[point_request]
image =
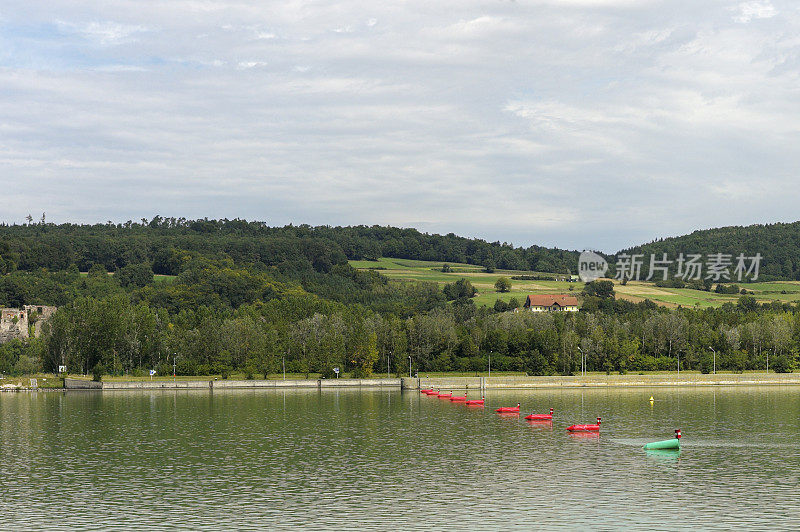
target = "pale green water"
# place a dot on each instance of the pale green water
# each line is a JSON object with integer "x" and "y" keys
{"x": 372, "y": 459}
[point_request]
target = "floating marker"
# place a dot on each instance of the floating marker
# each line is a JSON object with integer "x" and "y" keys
{"x": 508, "y": 409}
{"x": 585, "y": 428}
{"x": 540, "y": 417}
{"x": 672, "y": 444}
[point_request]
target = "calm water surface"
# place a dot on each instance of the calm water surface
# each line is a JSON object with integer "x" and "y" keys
{"x": 379, "y": 459}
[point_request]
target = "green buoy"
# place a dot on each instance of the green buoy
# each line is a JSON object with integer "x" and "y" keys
{"x": 674, "y": 443}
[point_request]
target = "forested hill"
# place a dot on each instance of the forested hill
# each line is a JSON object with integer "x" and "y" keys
{"x": 227, "y": 263}
{"x": 779, "y": 245}
{"x": 114, "y": 246}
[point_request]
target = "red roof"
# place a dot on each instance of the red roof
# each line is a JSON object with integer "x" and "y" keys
{"x": 550, "y": 300}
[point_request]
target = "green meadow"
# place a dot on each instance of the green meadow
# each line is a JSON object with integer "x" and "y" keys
{"x": 417, "y": 270}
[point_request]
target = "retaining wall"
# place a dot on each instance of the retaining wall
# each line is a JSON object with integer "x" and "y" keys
{"x": 598, "y": 381}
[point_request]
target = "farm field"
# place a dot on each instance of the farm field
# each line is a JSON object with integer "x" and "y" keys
{"x": 405, "y": 270}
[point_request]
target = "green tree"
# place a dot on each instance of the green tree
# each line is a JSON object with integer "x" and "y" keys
{"x": 503, "y": 284}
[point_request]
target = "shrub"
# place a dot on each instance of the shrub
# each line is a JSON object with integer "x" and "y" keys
{"x": 782, "y": 364}
{"x": 186, "y": 367}
{"x": 98, "y": 371}
{"x": 706, "y": 364}
{"x": 249, "y": 373}
{"x": 327, "y": 373}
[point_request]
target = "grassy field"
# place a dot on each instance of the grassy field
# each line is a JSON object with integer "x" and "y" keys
{"x": 405, "y": 270}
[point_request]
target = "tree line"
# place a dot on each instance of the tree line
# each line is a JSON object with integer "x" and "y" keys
{"x": 303, "y": 333}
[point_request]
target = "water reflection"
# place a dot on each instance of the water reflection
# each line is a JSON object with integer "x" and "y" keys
{"x": 664, "y": 454}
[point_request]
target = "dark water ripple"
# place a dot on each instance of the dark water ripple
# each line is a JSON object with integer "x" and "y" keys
{"x": 374, "y": 460}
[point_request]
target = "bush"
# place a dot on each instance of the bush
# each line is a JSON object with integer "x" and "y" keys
{"x": 186, "y": 367}
{"x": 327, "y": 373}
{"x": 706, "y": 364}
{"x": 782, "y": 364}
{"x": 98, "y": 371}
{"x": 249, "y": 373}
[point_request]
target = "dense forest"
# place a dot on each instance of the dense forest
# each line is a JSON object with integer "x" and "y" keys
{"x": 215, "y": 297}
{"x": 778, "y": 244}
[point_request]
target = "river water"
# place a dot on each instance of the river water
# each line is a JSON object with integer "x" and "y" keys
{"x": 362, "y": 459}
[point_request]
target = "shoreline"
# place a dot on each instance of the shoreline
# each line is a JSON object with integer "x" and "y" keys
{"x": 446, "y": 383}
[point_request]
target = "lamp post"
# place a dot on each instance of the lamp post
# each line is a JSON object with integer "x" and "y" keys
{"x": 409, "y": 366}
{"x": 283, "y": 364}
{"x": 173, "y": 366}
{"x": 490, "y": 363}
{"x": 715, "y": 359}
{"x": 583, "y": 364}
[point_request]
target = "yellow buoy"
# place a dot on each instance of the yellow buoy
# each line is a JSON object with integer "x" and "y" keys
{"x": 651, "y": 398}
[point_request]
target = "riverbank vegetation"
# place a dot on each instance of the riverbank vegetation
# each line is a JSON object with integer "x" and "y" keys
{"x": 219, "y": 298}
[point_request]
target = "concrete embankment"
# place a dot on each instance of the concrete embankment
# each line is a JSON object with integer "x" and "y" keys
{"x": 600, "y": 381}
{"x": 456, "y": 383}
{"x": 80, "y": 384}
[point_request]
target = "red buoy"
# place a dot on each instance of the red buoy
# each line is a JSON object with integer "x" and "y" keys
{"x": 508, "y": 409}
{"x": 540, "y": 417}
{"x": 474, "y": 402}
{"x": 426, "y": 390}
{"x": 431, "y": 392}
{"x": 459, "y": 398}
{"x": 445, "y": 395}
{"x": 576, "y": 428}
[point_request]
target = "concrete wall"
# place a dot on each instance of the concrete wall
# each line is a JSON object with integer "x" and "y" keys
{"x": 81, "y": 384}
{"x": 227, "y": 384}
{"x": 596, "y": 381}
{"x": 154, "y": 385}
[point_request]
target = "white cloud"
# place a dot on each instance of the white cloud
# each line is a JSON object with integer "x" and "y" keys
{"x": 104, "y": 33}
{"x": 747, "y": 11}
{"x": 472, "y": 116}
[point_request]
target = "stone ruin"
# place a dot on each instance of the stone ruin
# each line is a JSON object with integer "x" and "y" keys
{"x": 19, "y": 323}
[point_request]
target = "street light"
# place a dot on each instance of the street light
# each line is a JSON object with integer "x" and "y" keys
{"x": 715, "y": 359}
{"x": 583, "y": 364}
{"x": 173, "y": 366}
{"x": 490, "y": 363}
{"x": 409, "y": 366}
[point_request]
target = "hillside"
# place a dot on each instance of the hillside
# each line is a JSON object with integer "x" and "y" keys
{"x": 779, "y": 245}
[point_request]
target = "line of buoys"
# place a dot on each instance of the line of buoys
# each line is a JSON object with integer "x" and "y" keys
{"x": 671, "y": 444}
{"x": 587, "y": 430}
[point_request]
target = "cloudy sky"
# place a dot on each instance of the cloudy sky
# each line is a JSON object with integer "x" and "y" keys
{"x": 573, "y": 123}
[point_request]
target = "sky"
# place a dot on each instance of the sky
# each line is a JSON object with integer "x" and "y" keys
{"x": 580, "y": 124}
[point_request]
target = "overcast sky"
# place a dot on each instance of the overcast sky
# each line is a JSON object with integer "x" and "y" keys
{"x": 572, "y": 123}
